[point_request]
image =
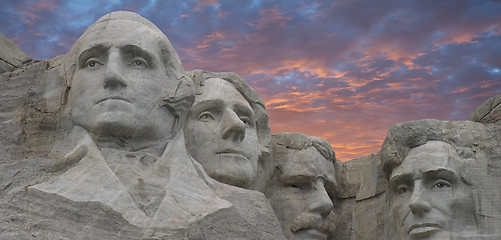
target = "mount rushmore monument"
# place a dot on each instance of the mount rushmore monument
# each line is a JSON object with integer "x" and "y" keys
{"x": 115, "y": 140}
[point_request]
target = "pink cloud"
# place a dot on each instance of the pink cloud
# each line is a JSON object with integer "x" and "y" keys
{"x": 271, "y": 17}
{"x": 29, "y": 12}
{"x": 41, "y": 5}
{"x": 203, "y": 3}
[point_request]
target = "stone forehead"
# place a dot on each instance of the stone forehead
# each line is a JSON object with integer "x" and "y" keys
{"x": 123, "y": 16}
{"x": 118, "y": 29}
{"x": 432, "y": 155}
{"x": 307, "y": 162}
{"x": 218, "y": 88}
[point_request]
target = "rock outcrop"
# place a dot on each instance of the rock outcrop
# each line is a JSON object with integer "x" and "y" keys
{"x": 11, "y": 57}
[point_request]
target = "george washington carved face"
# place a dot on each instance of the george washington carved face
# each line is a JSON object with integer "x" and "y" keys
{"x": 120, "y": 81}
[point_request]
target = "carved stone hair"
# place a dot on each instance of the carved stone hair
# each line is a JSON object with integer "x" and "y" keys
{"x": 299, "y": 141}
{"x": 284, "y": 143}
{"x": 465, "y": 137}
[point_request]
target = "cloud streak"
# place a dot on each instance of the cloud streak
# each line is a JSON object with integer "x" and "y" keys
{"x": 341, "y": 70}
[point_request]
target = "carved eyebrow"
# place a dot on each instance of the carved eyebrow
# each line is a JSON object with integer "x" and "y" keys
{"x": 213, "y": 104}
{"x": 441, "y": 173}
{"x": 296, "y": 177}
{"x": 135, "y": 50}
{"x": 93, "y": 50}
{"x": 243, "y": 109}
{"x": 400, "y": 178}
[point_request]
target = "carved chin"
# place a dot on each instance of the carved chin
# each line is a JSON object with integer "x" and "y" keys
{"x": 111, "y": 127}
{"x": 236, "y": 177}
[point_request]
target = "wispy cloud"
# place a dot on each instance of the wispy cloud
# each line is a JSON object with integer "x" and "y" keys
{"x": 341, "y": 70}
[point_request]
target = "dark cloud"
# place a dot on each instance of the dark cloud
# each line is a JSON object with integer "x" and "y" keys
{"x": 342, "y": 70}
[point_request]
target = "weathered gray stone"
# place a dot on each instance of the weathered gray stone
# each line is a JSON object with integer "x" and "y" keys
{"x": 93, "y": 147}
{"x": 300, "y": 190}
{"x": 360, "y": 199}
{"x": 365, "y": 206}
{"x": 227, "y": 130}
{"x": 443, "y": 180}
{"x": 11, "y": 57}
{"x": 488, "y": 112}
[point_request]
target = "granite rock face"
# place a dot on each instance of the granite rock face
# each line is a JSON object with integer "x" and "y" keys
{"x": 444, "y": 176}
{"x": 227, "y": 130}
{"x": 11, "y": 57}
{"x": 488, "y": 112}
{"x": 302, "y": 185}
{"x": 431, "y": 180}
{"x": 93, "y": 147}
{"x": 114, "y": 140}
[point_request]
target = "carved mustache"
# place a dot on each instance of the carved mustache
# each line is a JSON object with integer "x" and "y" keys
{"x": 312, "y": 221}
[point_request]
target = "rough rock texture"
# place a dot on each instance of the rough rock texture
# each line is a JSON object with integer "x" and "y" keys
{"x": 302, "y": 185}
{"x": 361, "y": 198}
{"x": 470, "y": 155}
{"x": 224, "y": 105}
{"x": 362, "y": 194}
{"x": 488, "y": 112}
{"x": 11, "y": 57}
{"x": 59, "y": 181}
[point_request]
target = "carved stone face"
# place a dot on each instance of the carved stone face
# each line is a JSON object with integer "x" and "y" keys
{"x": 119, "y": 83}
{"x": 428, "y": 197}
{"x": 220, "y": 133}
{"x": 298, "y": 195}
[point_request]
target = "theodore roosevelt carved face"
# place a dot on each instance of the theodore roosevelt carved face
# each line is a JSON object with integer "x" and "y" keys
{"x": 298, "y": 191}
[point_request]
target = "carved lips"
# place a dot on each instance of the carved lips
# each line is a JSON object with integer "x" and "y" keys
{"x": 232, "y": 153}
{"x": 421, "y": 230}
{"x": 113, "y": 98}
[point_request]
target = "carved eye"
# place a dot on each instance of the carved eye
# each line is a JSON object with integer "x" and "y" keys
{"x": 206, "y": 116}
{"x": 91, "y": 63}
{"x": 441, "y": 184}
{"x": 402, "y": 189}
{"x": 138, "y": 62}
{"x": 246, "y": 121}
{"x": 301, "y": 186}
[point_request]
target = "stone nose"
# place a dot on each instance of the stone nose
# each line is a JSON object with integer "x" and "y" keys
{"x": 418, "y": 203}
{"x": 114, "y": 74}
{"x": 233, "y": 127}
{"x": 319, "y": 201}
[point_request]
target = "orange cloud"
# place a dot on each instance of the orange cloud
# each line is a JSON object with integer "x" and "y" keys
{"x": 295, "y": 101}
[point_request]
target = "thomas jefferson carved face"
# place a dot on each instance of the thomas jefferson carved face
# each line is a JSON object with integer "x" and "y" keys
{"x": 119, "y": 82}
{"x": 298, "y": 194}
{"x": 220, "y": 133}
{"x": 429, "y": 199}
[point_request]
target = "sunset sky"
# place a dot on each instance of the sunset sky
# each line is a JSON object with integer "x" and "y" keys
{"x": 341, "y": 70}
